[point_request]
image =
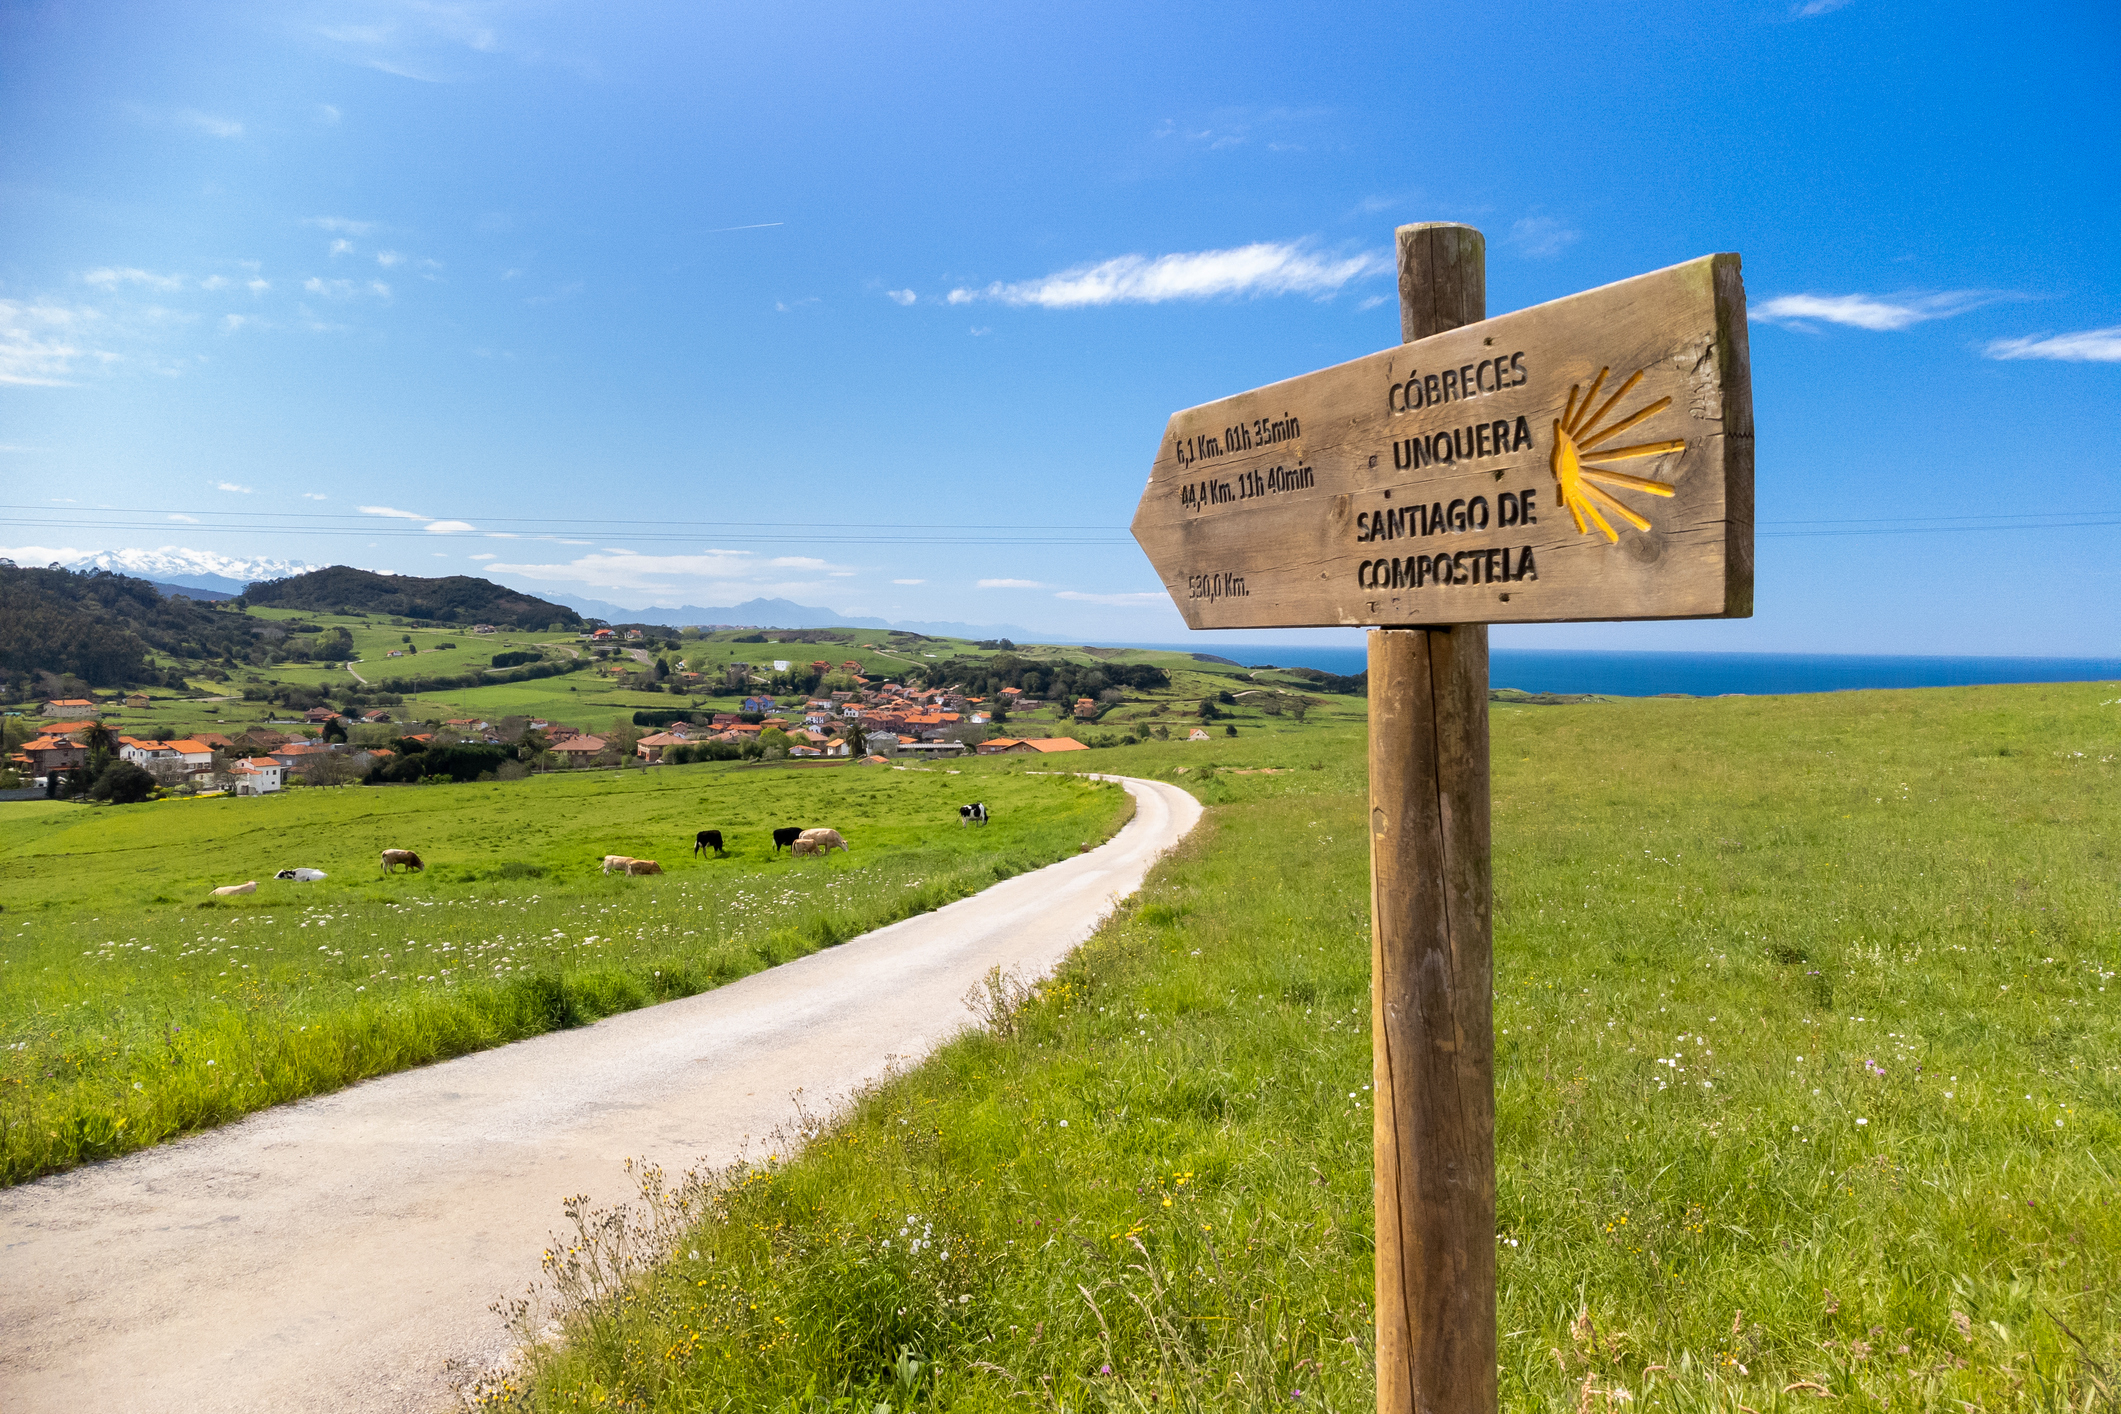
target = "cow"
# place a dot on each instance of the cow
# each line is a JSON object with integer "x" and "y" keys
{"x": 230, "y": 890}
{"x": 786, "y": 836}
{"x": 707, "y": 839}
{"x": 307, "y": 876}
{"x": 973, "y": 814}
{"x": 392, "y": 858}
{"x": 617, "y": 861}
{"x": 643, "y": 866}
{"x": 822, "y": 841}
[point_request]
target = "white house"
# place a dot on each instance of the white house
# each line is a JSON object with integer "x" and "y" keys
{"x": 258, "y": 775}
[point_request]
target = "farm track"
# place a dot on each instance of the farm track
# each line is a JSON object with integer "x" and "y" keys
{"x": 341, "y": 1253}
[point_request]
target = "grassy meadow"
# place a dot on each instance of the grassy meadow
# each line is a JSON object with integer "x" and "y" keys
{"x": 1808, "y": 1089}
{"x": 134, "y": 1008}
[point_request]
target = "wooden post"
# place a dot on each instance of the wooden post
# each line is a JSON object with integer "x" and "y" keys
{"x": 1432, "y": 966}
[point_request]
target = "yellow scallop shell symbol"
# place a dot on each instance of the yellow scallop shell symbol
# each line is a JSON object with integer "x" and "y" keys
{"x": 1577, "y": 432}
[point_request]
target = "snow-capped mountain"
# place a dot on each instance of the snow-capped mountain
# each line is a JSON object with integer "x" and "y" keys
{"x": 194, "y": 569}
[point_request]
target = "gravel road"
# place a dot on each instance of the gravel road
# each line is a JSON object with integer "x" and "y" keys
{"x": 340, "y": 1253}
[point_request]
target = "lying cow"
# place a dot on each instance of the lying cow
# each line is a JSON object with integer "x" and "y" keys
{"x": 973, "y": 814}
{"x": 307, "y": 876}
{"x": 819, "y": 842}
{"x": 786, "y": 836}
{"x": 392, "y": 858}
{"x": 231, "y": 890}
{"x": 617, "y": 861}
{"x": 643, "y": 866}
{"x": 707, "y": 839}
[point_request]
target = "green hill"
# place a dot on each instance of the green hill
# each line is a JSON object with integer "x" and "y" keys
{"x": 101, "y": 629}
{"x": 452, "y": 600}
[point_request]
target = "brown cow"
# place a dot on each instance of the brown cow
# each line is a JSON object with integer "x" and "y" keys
{"x": 228, "y": 890}
{"x": 643, "y": 866}
{"x": 823, "y": 841}
{"x": 392, "y": 858}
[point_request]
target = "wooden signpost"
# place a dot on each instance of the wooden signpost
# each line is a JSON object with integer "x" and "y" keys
{"x": 1591, "y": 458}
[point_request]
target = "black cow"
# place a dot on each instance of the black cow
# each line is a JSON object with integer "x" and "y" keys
{"x": 783, "y": 838}
{"x": 973, "y": 814}
{"x": 707, "y": 839}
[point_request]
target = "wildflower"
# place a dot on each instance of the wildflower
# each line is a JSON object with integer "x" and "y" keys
{"x": 1863, "y": 1121}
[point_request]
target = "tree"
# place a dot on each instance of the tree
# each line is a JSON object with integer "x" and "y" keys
{"x": 123, "y": 783}
{"x": 332, "y": 770}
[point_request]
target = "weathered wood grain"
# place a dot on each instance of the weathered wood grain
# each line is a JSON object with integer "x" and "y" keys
{"x": 1432, "y": 1010}
{"x": 1280, "y": 532}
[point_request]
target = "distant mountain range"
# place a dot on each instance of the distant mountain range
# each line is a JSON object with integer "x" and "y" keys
{"x": 780, "y": 613}
{"x": 173, "y": 565}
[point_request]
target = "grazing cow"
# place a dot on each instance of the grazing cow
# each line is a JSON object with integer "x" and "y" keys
{"x": 617, "y": 861}
{"x": 973, "y": 814}
{"x": 823, "y": 841}
{"x": 230, "y": 890}
{"x": 307, "y": 876}
{"x": 782, "y": 838}
{"x": 643, "y": 866}
{"x": 392, "y": 858}
{"x": 707, "y": 839}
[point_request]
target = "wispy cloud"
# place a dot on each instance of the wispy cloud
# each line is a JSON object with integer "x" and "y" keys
{"x": 315, "y": 496}
{"x": 1812, "y": 9}
{"x": 909, "y": 581}
{"x": 1543, "y": 237}
{"x": 327, "y": 114}
{"x": 449, "y": 527}
{"x": 1879, "y": 313}
{"x": 109, "y": 277}
{"x": 188, "y": 520}
{"x": 1263, "y": 268}
{"x": 901, "y": 297}
{"x": 1010, "y": 584}
{"x": 391, "y": 512}
{"x": 340, "y": 225}
{"x": 1120, "y": 601}
{"x": 208, "y": 123}
{"x": 2085, "y": 346}
{"x": 791, "y": 306}
{"x": 232, "y": 486}
{"x": 37, "y": 343}
{"x": 488, "y": 556}
{"x": 717, "y": 571}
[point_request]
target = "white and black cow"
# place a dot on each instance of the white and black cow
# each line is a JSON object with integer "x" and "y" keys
{"x": 973, "y": 814}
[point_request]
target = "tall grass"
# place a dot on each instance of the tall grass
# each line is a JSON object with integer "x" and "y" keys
{"x": 1149, "y": 1187}
{"x": 127, "y": 1022}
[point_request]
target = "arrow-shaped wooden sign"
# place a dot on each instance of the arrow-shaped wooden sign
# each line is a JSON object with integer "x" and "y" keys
{"x": 1591, "y": 458}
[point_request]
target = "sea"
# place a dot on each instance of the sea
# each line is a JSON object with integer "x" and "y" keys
{"x": 1697, "y": 674}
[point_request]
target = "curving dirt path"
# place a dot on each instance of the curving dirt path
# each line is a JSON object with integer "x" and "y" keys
{"x": 340, "y": 1253}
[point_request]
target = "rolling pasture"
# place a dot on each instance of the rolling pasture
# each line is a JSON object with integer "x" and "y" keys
{"x": 1808, "y": 1082}
{"x": 134, "y": 1008}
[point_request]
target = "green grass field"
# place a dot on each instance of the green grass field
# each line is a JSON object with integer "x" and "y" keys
{"x": 1808, "y": 1095}
{"x": 133, "y": 1009}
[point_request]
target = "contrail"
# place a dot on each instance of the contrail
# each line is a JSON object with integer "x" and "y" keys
{"x": 759, "y": 227}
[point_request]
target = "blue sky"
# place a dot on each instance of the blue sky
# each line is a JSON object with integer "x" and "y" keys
{"x": 884, "y": 307}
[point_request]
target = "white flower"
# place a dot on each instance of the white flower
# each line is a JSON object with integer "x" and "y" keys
{"x": 1064, "y": 1124}
{"x": 1863, "y": 1121}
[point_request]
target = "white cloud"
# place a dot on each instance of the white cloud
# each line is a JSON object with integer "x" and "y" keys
{"x": 208, "y": 123}
{"x": 713, "y": 571}
{"x": 1121, "y": 601}
{"x": 487, "y": 556}
{"x": 449, "y": 527}
{"x": 340, "y": 225}
{"x": 340, "y": 247}
{"x": 1543, "y": 237}
{"x": 215, "y": 282}
{"x": 791, "y": 306}
{"x": 909, "y": 581}
{"x": 314, "y": 496}
{"x": 391, "y": 512}
{"x": 1812, "y": 9}
{"x": 1879, "y": 313}
{"x": 980, "y": 331}
{"x": 36, "y": 344}
{"x": 1371, "y": 303}
{"x": 901, "y": 297}
{"x": 388, "y": 258}
{"x": 327, "y": 114}
{"x": 1010, "y": 584}
{"x": 109, "y": 278}
{"x": 230, "y": 323}
{"x": 2085, "y": 346}
{"x": 257, "y": 287}
{"x": 1263, "y": 268}
{"x": 188, "y": 520}
{"x": 232, "y": 486}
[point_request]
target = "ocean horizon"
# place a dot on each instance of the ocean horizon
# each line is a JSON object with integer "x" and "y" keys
{"x": 1634, "y": 674}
